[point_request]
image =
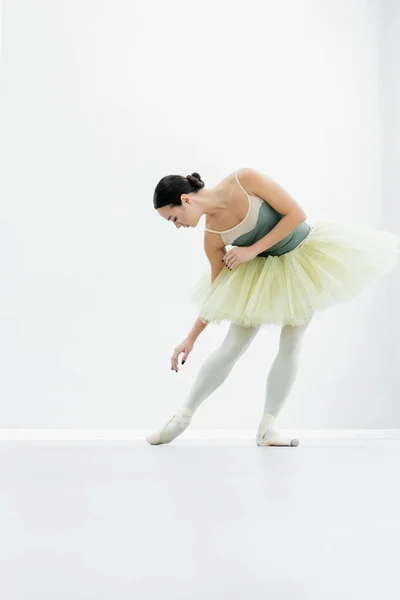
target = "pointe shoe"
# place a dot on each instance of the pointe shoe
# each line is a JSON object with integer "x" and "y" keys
{"x": 175, "y": 426}
{"x": 269, "y": 435}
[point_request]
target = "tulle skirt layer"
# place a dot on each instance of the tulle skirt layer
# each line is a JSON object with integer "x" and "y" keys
{"x": 333, "y": 264}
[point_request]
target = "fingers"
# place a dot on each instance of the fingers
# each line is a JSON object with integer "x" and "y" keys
{"x": 175, "y": 361}
{"x": 230, "y": 261}
{"x": 232, "y": 264}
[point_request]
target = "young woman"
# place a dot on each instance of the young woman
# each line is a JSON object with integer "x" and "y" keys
{"x": 279, "y": 271}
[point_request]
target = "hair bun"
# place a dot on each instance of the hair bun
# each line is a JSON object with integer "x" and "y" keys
{"x": 195, "y": 180}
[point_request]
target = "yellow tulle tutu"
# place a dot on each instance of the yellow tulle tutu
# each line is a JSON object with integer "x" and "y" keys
{"x": 333, "y": 264}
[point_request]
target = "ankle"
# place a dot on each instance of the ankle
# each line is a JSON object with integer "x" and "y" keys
{"x": 268, "y": 420}
{"x": 183, "y": 416}
{"x": 187, "y": 410}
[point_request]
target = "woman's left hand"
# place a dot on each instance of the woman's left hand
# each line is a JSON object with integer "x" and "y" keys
{"x": 234, "y": 257}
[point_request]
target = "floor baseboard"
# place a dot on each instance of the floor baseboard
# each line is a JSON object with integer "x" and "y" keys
{"x": 192, "y": 434}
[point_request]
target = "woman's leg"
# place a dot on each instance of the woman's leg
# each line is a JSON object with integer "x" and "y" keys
{"x": 220, "y": 363}
{"x": 280, "y": 381}
{"x": 211, "y": 375}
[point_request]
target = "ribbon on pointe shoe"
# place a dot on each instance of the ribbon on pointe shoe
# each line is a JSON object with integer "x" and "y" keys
{"x": 269, "y": 435}
{"x": 183, "y": 417}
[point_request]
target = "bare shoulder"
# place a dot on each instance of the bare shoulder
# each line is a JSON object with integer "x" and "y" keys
{"x": 247, "y": 177}
{"x": 265, "y": 187}
{"x": 250, "y": 179}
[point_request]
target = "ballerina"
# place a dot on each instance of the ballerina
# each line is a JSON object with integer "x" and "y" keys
{"x": 279, "y": 271}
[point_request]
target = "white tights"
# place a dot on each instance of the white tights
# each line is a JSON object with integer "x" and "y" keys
{"x": 220, "y": 363}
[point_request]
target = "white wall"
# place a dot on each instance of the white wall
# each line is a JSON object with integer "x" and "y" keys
{"x": 1, "y": 26}
{"x": 390, "y": 93}
{"x": 102, "y": 99}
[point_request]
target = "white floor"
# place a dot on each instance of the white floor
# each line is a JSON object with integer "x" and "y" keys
{"x": 199, "y": 520}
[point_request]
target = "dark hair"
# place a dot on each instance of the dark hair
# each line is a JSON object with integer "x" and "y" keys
{"x": 170, "y": 188}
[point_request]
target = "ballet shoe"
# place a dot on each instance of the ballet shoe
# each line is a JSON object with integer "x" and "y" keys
{"x": 174, "y": 427}
{"x": 269, "y": 435}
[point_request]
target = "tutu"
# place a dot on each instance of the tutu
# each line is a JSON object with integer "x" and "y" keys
{"x": 333, "y": 264}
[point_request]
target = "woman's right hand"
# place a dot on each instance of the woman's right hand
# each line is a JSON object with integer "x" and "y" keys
{"x": 186, "y": 347}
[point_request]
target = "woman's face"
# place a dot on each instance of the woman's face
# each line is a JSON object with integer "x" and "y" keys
{"x": 186, "y": 215}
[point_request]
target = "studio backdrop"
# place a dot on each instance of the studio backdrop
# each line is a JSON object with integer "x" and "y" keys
{"x": 102, "y": 98}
